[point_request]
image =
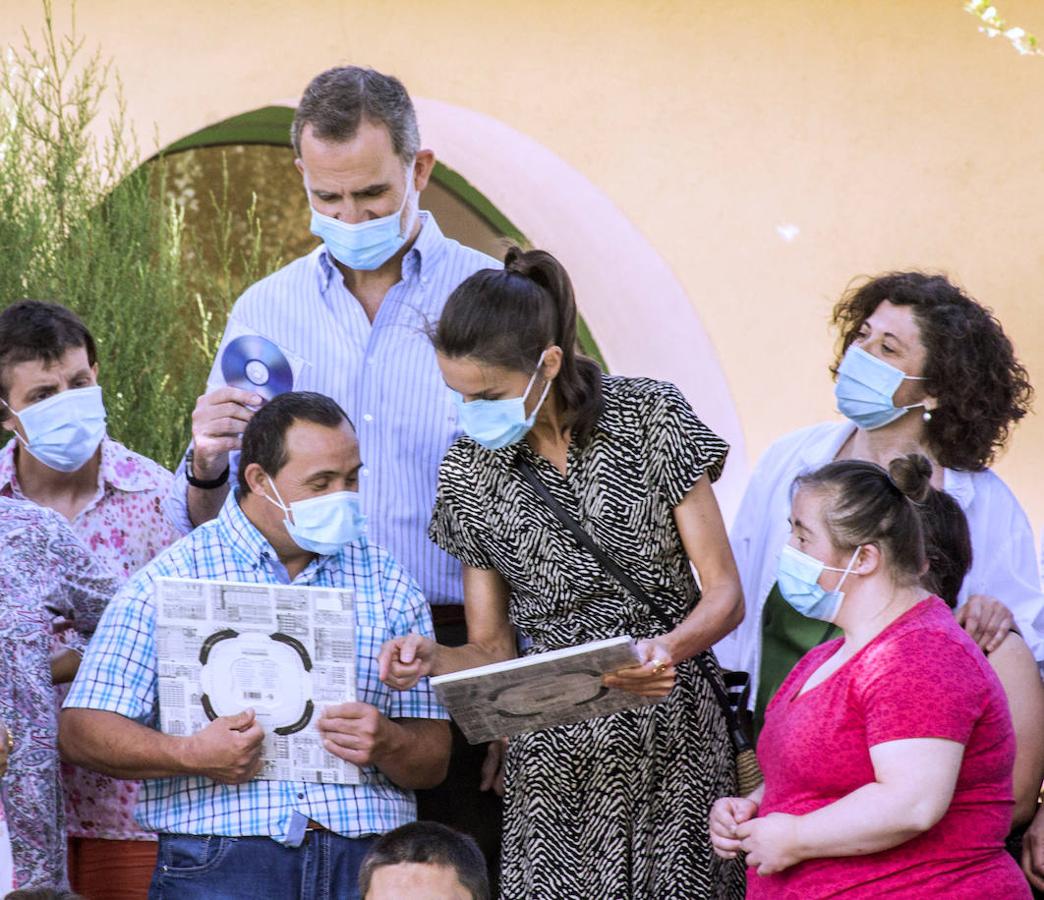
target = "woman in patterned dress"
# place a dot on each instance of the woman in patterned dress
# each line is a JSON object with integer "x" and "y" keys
{"x": 617, "y": 806}
{"x": 43, "y": 567}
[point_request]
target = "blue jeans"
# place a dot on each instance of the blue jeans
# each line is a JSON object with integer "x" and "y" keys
{"x": 194, "y": 867}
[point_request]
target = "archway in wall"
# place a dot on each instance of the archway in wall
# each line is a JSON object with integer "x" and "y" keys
{"x": 493, "y": 183}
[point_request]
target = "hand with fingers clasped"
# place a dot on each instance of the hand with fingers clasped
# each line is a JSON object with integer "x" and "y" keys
{"x": 727, "y": 814}
{"x": 228, "y": 750}
{"x": 769, "y": 842}
{"x": 404, "y": 661}
{"x": 652, "y": 677}
{"x": 354, "y": 732}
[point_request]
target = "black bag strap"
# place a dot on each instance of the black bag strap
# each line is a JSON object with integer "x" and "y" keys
{"x": 627, "y": 582}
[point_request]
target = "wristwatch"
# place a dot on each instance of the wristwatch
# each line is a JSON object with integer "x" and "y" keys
{"x": 204, "y": 484}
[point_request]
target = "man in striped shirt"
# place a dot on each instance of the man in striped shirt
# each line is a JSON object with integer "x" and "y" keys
{"x": 223, "y": 833}
{"x": 351, "y": 318}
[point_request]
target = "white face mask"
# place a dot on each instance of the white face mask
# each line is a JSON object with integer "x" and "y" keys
{"x": 365, "y": 246}
{"x": 798, "y": 580}
{"x": 499, "y": 423}
{"x": 323, "y": 524}
{"x": 865, "y": 388}
{"x": 64, "y": 431}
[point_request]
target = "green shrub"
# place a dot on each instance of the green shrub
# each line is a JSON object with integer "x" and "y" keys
{"x": 83, "y": 224}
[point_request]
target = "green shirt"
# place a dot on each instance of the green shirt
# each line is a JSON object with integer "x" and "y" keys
{"x": 786, "y": 636}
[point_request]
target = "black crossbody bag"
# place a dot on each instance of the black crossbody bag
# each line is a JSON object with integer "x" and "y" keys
{"x": 732, "y": 699}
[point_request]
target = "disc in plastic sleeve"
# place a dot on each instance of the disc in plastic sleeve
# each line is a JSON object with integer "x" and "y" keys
{"x": 254, "y": 363}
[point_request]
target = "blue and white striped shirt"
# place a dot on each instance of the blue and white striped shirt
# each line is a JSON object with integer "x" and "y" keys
{"x": 118, "y": 674}
{"x": 385, "y": 377}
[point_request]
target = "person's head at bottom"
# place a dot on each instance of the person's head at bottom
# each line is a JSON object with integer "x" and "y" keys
{"x": 424, "y": 861}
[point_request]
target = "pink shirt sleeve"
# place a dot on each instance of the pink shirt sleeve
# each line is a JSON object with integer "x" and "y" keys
{"x": 921, "y": 684}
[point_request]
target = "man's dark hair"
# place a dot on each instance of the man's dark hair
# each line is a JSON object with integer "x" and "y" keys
{"x": 338, "y": 100}
{"x": 264, "y": 441}
{"x": 35, "y": 330}
{"x": 432, "y": 843}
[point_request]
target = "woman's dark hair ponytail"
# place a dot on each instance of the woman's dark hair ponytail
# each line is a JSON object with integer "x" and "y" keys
{"x": 542, "y": 268}
{"x": 508, "y": 317}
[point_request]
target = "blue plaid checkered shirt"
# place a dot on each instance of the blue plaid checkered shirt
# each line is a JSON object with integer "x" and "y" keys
{"x": 118, "y": 674}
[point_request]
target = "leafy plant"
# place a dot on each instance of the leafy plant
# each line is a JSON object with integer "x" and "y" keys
{"x": 83, "y": 224}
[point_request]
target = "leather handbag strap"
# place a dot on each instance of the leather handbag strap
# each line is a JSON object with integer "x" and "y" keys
{"x": 628, "y": 583}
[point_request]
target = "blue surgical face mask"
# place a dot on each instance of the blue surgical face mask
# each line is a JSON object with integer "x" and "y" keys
{"x": 798, "y": 580}
{"x": 865, "y": 388}
{"x": 499, "y": 423}
{"x": 64, "y": 431}
{"x": 366, "y": 246}
{"x": 323, "y": 524}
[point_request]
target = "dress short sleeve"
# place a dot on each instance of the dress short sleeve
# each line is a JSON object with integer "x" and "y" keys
{"x": 681, "y": 447}
{"x": 454, "y": 521}
{"x": 923, "y": 684}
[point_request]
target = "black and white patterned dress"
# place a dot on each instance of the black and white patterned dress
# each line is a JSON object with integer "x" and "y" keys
{"x": 615, "y": 807}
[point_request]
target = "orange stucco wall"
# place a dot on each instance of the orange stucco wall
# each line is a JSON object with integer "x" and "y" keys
{"x": 891, "y": 134}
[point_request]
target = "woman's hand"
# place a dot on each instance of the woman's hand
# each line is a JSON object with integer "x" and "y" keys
{"x": 404, "y": 661}
{"x": 769, "y": 842}
{"x": 1033, "y": 851}
{"x": 725, "y": 816}
{"x": 493, "y": 767}
{"x": 986, "y": 620}
{"x": 652, "y": 677}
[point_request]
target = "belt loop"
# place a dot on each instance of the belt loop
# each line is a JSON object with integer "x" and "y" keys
{"x": 296, "y": 834}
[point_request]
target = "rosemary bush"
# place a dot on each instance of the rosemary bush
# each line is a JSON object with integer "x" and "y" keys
{"x": 82, "y": 223}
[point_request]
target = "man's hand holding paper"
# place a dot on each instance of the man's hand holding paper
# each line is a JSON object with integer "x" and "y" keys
{"x": 228, "y": 750}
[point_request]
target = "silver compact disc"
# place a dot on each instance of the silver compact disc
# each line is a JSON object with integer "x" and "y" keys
{"x": 254, "y": 363}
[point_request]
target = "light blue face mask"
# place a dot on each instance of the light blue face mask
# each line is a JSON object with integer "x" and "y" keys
{"x": 365, "y": 246}
{"x": 865, "y": 388}
{"x": 500, "y": 423}
{"x": 64, "y": 431}
{"x": 798, "y": 580}
{"x": 323, "y": 524}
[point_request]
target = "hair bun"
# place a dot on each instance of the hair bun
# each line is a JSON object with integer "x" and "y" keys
{"x": 912, "y": 475}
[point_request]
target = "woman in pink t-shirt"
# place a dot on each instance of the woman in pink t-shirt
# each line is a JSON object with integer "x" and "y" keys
{"x": 887, "y": 753}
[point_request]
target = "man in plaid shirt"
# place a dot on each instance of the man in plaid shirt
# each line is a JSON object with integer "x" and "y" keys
{"x": 223, "y": 833}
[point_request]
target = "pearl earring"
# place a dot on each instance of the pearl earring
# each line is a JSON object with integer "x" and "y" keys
{"x": 927, "y": 415}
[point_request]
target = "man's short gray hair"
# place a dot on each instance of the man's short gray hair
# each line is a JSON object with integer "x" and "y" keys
{"x": 338, "y": 100}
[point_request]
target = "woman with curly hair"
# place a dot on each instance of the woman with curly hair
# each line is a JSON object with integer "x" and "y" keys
{"x": 922, "y": 368}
